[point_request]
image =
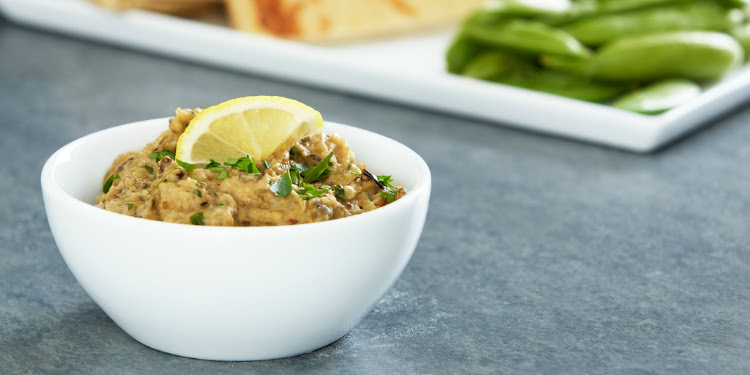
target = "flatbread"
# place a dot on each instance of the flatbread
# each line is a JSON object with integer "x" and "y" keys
{"x": 177, "y": 7}
{"x": 338, "y": 20}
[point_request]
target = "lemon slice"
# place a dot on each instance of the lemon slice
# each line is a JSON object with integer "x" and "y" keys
{"x": 253, "y": 125}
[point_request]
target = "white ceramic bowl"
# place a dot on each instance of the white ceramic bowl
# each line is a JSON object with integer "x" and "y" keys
{"x": 231, "y": 293}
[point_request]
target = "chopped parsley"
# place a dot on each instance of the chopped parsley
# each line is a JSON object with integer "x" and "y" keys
{"x": 309, "y": 191}
{"x": 149, "y": 169}
{"x": 295, "y": 172}
{"x": 386, "y": 180}
{"x": 245, "y": 163}
{"x": 283, "y": 186}
{"x": 197, "y": 218}
{"x": 215, "y": 166}
{"x": 108, "y": 183}
{"x": 389, "y": 195}
{"x": 303, "y": 177}
{"x": 130, "y": 205}
{"x": 185, "y": 165}
{"x": 222, "y": 173}
{"x": 339, "y": 193}
{"x": 198, "y": 193}
{"x": 369, "y": 175}
{"x": 318, "y": 172}
{"x": 158, "y": 155}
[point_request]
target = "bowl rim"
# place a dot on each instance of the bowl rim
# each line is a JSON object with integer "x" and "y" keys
{"x": 55, "y": 192}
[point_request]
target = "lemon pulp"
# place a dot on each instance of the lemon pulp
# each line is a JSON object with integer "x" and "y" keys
{"x": 257, "y": 126}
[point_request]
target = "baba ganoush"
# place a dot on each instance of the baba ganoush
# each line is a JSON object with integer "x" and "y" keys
{"x": 317, "y": 179}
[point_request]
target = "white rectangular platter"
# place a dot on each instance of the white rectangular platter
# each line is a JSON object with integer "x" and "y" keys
{"x": 406, "y": 69}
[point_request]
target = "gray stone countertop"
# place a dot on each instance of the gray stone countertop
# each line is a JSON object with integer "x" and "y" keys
{"x": 539, "y": 254}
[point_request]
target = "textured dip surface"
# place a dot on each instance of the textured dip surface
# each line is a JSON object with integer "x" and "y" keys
{"x": 150, "y": 184}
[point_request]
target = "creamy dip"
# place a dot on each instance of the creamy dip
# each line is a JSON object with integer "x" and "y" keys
{"x": 150, "y": 184}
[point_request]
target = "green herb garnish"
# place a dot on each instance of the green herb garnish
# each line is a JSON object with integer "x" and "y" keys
{"x": 386, "y": 180}
{"x": 389, "y": 195}
{"x": 309, "y": 191}
{"x": 198, "y": 193}
{"x": 295, "y": 172}
{"x": 266, "y": 164}
{"x": 215, "y": 166}
{"x": 158, "y": 155}
{"x": 283, "y": 186}
{"x": 185, "y": 165}
{"x": 197, "y": 218}
{"x": 245, "y": 163}
{"x": 339, "y": 193}
{"x": 130, "y": 205}
{"x": 108, "y": 183}
{"x": 222, "y": 172}
{"x": 318, "y": 172}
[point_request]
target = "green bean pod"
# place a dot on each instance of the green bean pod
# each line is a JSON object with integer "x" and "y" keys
{"x": 567, "y": 85}
{"x": 742, "y": 34}
{"x": 738, "y": 3}
{"x": 507, "y": 67}
{"x": 460, "y": 53}
{"x": 527, "y": 8}
{"x": 598, "y": 30}
{"x": 588, "y": 8}
{"x": 496, "y": 64}
{"x": 612, "y": 6}
{"x": 524, "y": 35}
{"x": 698, "y": 55}
{"x": 659, "y": 97}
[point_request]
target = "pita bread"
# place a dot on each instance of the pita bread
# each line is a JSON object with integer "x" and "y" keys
{"x": 338, "y": 20}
